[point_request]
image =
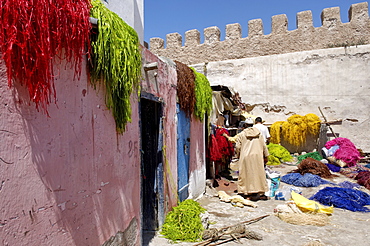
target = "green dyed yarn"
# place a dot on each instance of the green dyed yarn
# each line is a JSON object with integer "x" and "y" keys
{"x": 314, "y": 155}
{"x": 183, "y": 223}
{"x": 203, "y": 95}
{"x": 273, "y": 161}
{"x": 278, "y": 152}
{"x": 116, "y": 61}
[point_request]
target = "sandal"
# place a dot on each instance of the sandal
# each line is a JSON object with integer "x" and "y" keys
{"x": 263, "y": 197}
{"x": 253, "y": 197}
{"x": 244, "y": 196}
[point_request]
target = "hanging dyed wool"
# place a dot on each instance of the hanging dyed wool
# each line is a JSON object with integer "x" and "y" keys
{"x": 310, "y": 165}
{"x": 294, "y": 130}
{"x": 185, "y": 88}
{"x": 203, "y": 96}
{"x": 116, "y": 61}
{"x": 314, "y": 123}
{"x": 350, "y": 199}
{"x": 213, "y": 153}
{"x": 225, "y": 147}
{"x": 347, "y": 151}
{"x": 34, "y": 33}
{"x": 279, "y": 152}
{"x": 275, "y": 132}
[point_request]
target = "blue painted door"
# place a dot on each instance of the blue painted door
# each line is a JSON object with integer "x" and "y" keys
{"x": 183, "y": 152}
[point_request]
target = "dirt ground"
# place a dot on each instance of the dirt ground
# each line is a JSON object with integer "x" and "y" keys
{"x": 345, "y": 227}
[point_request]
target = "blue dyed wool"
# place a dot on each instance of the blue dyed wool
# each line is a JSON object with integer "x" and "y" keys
{"x": 306, "y": 180}
{"x": 333, "y": 167}
{"x": 350, "y": 199}
{"x": 348, "y": 184}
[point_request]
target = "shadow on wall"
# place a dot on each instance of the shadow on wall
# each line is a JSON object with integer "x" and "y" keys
{"x": 79, "y": 158}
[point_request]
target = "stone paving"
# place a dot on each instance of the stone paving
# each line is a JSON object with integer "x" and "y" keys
{"x": 345, "y": 227}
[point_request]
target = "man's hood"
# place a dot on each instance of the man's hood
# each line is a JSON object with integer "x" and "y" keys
{"x": 252, "y": 132}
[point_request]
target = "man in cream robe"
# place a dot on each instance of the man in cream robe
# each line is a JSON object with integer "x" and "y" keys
{"x": 253, "y": 151}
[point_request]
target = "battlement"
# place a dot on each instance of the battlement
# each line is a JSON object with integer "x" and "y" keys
{"x": 331, "y": 33}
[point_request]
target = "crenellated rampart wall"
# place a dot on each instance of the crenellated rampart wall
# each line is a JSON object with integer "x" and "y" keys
{"x": 332, "y": 33}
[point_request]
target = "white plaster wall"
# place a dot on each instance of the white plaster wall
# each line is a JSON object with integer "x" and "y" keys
{"x": 197, "y": 163}
{"x": 337, "y": 80}
{"x": 131, "y": 11}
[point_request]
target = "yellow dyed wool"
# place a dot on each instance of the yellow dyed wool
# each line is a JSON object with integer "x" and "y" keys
{"x": 313, "y": 122}
{"x": 275, "y": 132}
{"x": 294, "y": 130}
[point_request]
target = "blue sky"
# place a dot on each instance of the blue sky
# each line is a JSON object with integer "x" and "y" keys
{"x": 162, "y": 17}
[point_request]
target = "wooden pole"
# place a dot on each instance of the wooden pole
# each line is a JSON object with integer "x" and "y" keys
{"x": 326, "y": 122}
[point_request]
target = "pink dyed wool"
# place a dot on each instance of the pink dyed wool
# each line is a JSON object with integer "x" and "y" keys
{"x": 347, "y": 151}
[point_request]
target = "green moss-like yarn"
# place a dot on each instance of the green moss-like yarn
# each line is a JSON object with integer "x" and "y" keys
{"x": 278, "y": 152}
{"x": 273, "y": 161}
{"x": 183, "y": 223}
{"x": 315, "y": 155}
{"x": 203, "y": 95}
{"x": 116, "y": 61}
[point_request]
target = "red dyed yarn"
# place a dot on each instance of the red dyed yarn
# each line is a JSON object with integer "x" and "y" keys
{"x": 34, "y": 33}
{"x": 213, "y": 152}
{"x": 219, "y": 148}
{"x": 363, "y": 178}
{"x": 225, "y": 147}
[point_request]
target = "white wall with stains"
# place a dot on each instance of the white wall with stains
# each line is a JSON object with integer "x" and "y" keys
{"x": 275, "y": 87}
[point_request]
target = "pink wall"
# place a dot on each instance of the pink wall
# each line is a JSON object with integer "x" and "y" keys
{"x": 164, "y": 87}
{"x": 70, "y": 179}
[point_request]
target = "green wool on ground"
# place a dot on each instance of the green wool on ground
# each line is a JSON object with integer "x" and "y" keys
{"x": 314, "y": 155}
{"x": 115, "y": 61}
{"x": 273, "y": 161}
{"x": 183, "y": 223}
{"x": 278, "y": 154}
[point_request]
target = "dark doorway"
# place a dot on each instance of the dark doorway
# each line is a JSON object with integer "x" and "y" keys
{"x": 151, "y": 175}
